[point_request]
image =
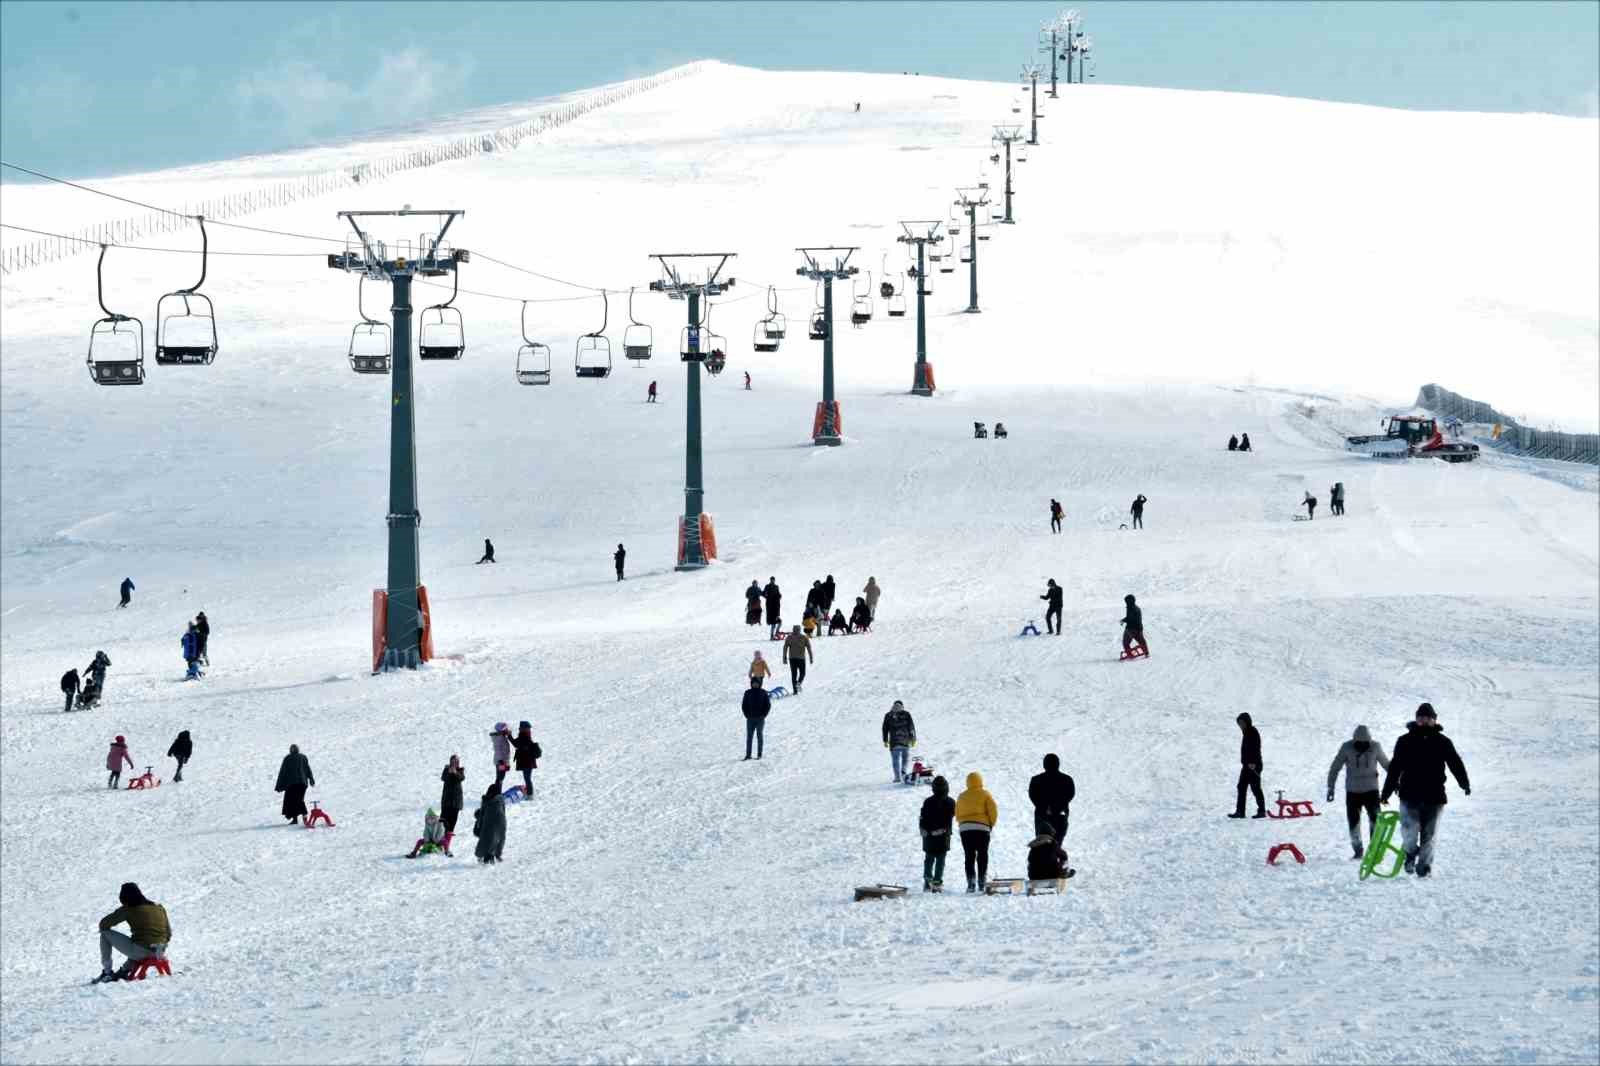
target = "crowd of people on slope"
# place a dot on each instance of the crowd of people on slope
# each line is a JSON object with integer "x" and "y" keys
{"x": 819, "y": 617}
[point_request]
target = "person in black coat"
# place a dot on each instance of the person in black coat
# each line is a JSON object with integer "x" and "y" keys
{"x": 127, "y": 592}
{"x": 774, "y": 597}
{"x": 860, "y": 616}
{"x": 488, "y": 552}
{"x": 202, "y": 629}
{"x": 1249, "y": 768}
{"x": 1137, "y": 510}
{"x": 1047, "y": 860}
{"x": 620, "y": 556}
{"x": 294, "y": 777}
{"x": 756, "y": 706}
{"x": 489, "y": 825}
{"x": 829, "y": 590}
{"x": 527, "y": 755}
{"x": 1052, "y": 596}
{"x": 1052, "y": 793}
{"x": 937, "y": 817}
{"x": 1417, "y": 770}
{"x": 1133, "y": 626}
{"x": 69, "y": 687}
{"x": 752, "y": 604}
{"x": 450, "y": 803}
{"x": 1244, "y": 442}
{"x": 182, "y": 748}
{"x": 1233, "y": 444}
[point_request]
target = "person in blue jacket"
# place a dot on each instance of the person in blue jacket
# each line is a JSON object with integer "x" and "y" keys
{"x": 191, "y": 653}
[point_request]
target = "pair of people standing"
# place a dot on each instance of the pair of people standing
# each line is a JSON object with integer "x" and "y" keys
{"x": 520, "y": 750}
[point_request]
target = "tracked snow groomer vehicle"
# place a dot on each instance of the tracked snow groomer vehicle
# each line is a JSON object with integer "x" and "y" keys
{"x": 1412, "y": 435}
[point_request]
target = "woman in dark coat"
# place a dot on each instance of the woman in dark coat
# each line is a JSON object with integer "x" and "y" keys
{"x": 938, "y": 811}
{"x": 527, "y": 756}
{"x": 294, "y": 777}
{"x": 181, "y": 749}
{"x": 489, "y": 823}
{"x": 450, "y": 798}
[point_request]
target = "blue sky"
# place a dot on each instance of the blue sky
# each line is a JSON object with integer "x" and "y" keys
{"x": 94, "y": 88}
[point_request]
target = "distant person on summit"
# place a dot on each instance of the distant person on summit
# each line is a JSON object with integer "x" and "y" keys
{"x": 1244, "y": 442}
{"x": 1055, "y": 516}
{"x": 1137, "y": 510}
{"x": 620, "y": 556}
{"x": 127, "y": 592}
{"x": 488, "y": 552}
{"x": 1233, "y": 444}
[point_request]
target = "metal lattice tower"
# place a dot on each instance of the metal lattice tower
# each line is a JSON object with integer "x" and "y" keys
{"x": 405, "y": 624}
{"x": 695, "y": 546}
{"x": 921, "y": 233}
{"x": 825, "y": 427}
{"x": 1008, "y": 135}
{"x": 972, "y": 199}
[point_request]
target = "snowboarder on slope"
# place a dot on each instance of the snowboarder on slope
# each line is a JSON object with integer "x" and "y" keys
{"x": 1052, "y": 793}
{"x": 620, "y": 557}
{"x": 1359, "y": 758}
{"x": 976, "y": 815}
{"x": 115, "y": 758}
{"x": 899, "y": 736}
{"x": 182, "y": 749}
{"x": 938, "y": 811}
{"x": 148, "y": 923}
{"x": 1133, "y": 626}
{"x": 1249, "y": 767}
{"x": 127, "y": 592}
{"x": 756, "y": 706}
{"x": 1053, "y": 594}
{"x": 797, "y": 649}
{"x": 1421, "y": 757}
{"x": 294, "y": 777}
{"x": 488, "y": 552}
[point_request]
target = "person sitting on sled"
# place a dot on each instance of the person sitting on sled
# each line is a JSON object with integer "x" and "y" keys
{"x": 860, "y": 617}
{"x": 433, "y": 838}
{"x": 837, "y": 624}
{"x": 1046, "y": 860}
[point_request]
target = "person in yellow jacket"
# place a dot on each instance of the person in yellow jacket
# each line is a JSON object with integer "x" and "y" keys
{"x": 759, "y": 669}
{"x": 976, "y": 815}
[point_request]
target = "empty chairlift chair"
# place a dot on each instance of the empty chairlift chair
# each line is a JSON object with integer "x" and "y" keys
{"x": 371, "y": 346}
{"x": 442, "y": 334}
{"x": 637, "y": 338}
{"x": 592, "y": 358}
{"x": 186, "y": 325}
{"x": 116, "y": 343}
{"x": 533, "y": 358}
{"x": 770, "y": 330}
{"x": 861, "y": 303}
{"x": 763, "y": 341}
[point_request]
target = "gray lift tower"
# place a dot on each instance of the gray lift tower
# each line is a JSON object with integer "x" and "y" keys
{"x": 1008, "y": 135}
{"x": 921, "y": 233}
{"x": 971, "y": 200}
{"x": 1060, "y": 31}
{"x": 825, "y": 426}
{"x": 407, "y": 638}
{"x": 1030, "y": 75}
{"x": 694, "y": 276}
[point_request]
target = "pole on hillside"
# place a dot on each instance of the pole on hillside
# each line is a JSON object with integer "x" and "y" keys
{"x": 1008, "y": 135}
{"x": 921, "y": 233}
{"x": 826, "y": 425}
{"x": 1031, "y": 73}
{"x": 972, "y": 199}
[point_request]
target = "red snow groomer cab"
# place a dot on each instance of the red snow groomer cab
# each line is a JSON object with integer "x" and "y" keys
{"x": 1412, "y": 435}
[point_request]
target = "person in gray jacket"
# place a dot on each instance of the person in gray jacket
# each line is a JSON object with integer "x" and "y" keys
{"x": 1360, "y": 758}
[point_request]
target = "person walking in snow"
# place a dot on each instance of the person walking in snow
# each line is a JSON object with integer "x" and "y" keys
{"x": 148, "y": 925}
{"x": 1336, "y": 498}
{"x": 760, "y": 670}
{"x": 1133, "y": 626}
{"x": 450, "y": 803}
{"x": 432, "y": 835}
{"x": 501, "y": 736}
{"x": 650, "y": 393}
{"x": 756, "y": 706}
{"x": 488, "y": 552}
{"x": 976, "y": 815}
{"x": 1056, "y": 514}
{"x": 69, "y": 687}
{"x": 294, "y": 777}
{"x": 202, "y": 629}
{"x": 747, "y": 381}
{"x": 797, "y": 649}
{"x": 899, "y": 736}
{"x": 1249, "y": 768}
{"x": 813, "y": 598}
{"x": 489, "y": 825}
{"x": 182, "y": 749}
{"x": 191, "y": 653}
{"x": 870, "y": 592}
{"x": 829, "y": 589}
{"x": 1421, "y": 757}
{"x": 1137, "y": 510}
{"x": 127, "y": 592}
{"x": 527, "y": 752}
{"x": 97, "y": 672}
{"x": 1052, "y": 594}
{"x": 1051, "y": 794}
{"x": 115, "y": 759}
{"x": 934, "y": 822}
{"x": 1359, "y": 758}
{"x": 752, "y": 604}
{"x": 620, "y": 557}
{"x": 774, "y": 600}
{"x": 1310, "y": 504}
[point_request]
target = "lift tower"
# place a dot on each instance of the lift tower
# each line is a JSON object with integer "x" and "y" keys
{"x": 1030, "y": 74}
{"x": 921, "y": 233}
{"x": 971, "y": 200}
{"x": 407, "y": 627}
{"x": 1008, "y": 135}
{"x": 825, "y": 426}
{"x": 693, "y": 276}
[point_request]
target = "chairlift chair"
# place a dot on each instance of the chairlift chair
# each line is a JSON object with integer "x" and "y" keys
{"x": 637, "y": 338}
{"x": 371, "y": 345}
{"x": 116, "y": 342}
{"x": 774, "y": 325}
{"x": 819, "y": 326}
{"x": 592, "y": 356}
{"x": 444, "y": 335}
{"x": 861, "y": 310}
{"x": 763, "y": 340}
{"x": 777, "y": 326}
{"x": 897, "y": 305}
{"x": 187, "y": 337}
{"x": 533, "y": 358}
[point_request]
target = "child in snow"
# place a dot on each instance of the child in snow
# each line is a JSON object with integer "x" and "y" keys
{"x": 1046, "y": 860}
{"x": 182, "y": 748}
{"x": 760, "y": 670}
{"x": 433, "y": 836}
{"x": 191, "y": 653}
{"x": 502, "y": 752}
{"x": 527, "y": 756}
{"x": 938, "y": 811}
{"x": 115, "y": 759}
{"x": 860, "y": 617}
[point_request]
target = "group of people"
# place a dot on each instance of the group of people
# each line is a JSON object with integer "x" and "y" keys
{"x": 87, "y": 692}
{"x": 819, "y": 615}
{"x": 974, "y": 814}
{"x": 194, "y": 646}
{"x": 118, "y": 756}
{"x": 1239, "y": 443}
{"x": 1335, "y": 501}
{"x": 979, "y": 431}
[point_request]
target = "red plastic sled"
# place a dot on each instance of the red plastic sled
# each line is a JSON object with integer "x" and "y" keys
{"x": 144, "y": 780}
{"x": 1135, "y": 652}
{"x": 1294, "y": 808}
{"x": 318, "y": 812}
{"x": 146, "y": 964}
{"x": 1278, "y": 849}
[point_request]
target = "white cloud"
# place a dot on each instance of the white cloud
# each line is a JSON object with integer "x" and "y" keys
{"x": 303, "y": 100}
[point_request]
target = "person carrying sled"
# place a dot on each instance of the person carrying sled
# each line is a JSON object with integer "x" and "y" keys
{"x": 838, "y": 623}
{"x": 1137, "y": 510}
{"x": 489, "y": 825}
{"x": 860, "y": 616}
{"x": 1359, "y": 758}
{"x": 756, "y": 706}
{"x": 797, "y": 649}
{"x": 1421, "y": 757}
{"x": 620, "y": 557}
{"x": 127, "y": 592}
{"x": 1053, "y": 595}
{"x": 899, "y": 736}
{"x": 69, "y": 688}
{"x": 148, "y": 924}
{"x": 870, "y": 592}
{"x": 116, "y": 757}
{"x": 938, "y": 812}
{"x": 488, "y": 552}
{"x": 1249, "y": 768}
{"x": 191, "y": 654}
{"x": 650, "y": 393}
{"x": 774, "y": 601}
{"x": 182, "y": 749}
{"x": 752, "y": 604}
{"x": 501, "y": 736}
{"x": 1056, "y": 514}
{"x": 450, "y": 797}
{"x": 294, "y": 777}
{"x": 1133, "y": 626}
{"x": 760, "y": 669}
{"x": 433, "y": 834}
{"x": 1233, "y": 444}
{"x": 527, "y": 753}
{"x": 1310, "y": 504}
{"x": 976, "y": 815}
{"x": 1051, "y": 794}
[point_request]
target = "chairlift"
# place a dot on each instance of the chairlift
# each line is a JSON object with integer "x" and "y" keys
{"x": 861, "y": 311}
{"x": 371, "y": 346}
{"x": 777, "y": 325}
{"x": 116, "y": 347}
{"x": 763, "y": 341}
{"x": 592, "y": 357}
{"x": 717, "y": 347}
{"x": 533, "y": 358}
{"x": 819, "y": 326}
{"x": 444, "y": 336}
{"x": 897, "y": 305}
{"x": 189, "y": 337}
{"x": 636, "y": 339}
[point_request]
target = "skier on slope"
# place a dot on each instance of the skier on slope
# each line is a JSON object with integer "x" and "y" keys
{"x": 938, "y": 812}
{"x": 148, "y": 924}
{"x": 116, "y": 757}
{"x": 1053, "y": 595}
{"x": 1421, "y": 757}
{"x": 127, "y": 592}
{"x": 899, "y": 736}
{"x": 182, "y": 749}
{"x": 1249, "y": 767}
{"x": 1359, "y": 758}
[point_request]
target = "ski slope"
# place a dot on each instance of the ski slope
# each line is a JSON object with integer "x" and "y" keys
{"x": 1185, "y": 266}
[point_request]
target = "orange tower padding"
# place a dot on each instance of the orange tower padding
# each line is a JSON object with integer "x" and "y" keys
{"x": 925, "y": 372}
{"x": 708, "y": 536}
{"x": 816, "y": 423}
{"x": 426, "y": 651}
{"x": 380, "y": 615}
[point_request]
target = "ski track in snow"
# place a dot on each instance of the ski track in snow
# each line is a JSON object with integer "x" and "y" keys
{"x": 663, "y": 900}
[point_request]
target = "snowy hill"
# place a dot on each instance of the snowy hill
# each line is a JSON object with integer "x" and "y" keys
{"x": 1185, "y": 266}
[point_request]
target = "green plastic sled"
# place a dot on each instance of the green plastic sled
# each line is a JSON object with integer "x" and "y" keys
{"x": 1382, "y": 834}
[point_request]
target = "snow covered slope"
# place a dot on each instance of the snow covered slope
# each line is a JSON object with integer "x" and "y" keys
{"x": 1196, "y": 265}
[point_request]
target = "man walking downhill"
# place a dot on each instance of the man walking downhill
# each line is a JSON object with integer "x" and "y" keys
{"x": 1421, "y": 757}
{"x": 899, "y": 736}
{"x": 1249, "y": 768}
{"x": 797, "y": 649}
{"x": 1359, "y": 758}
{"x": 757, "y": 705}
